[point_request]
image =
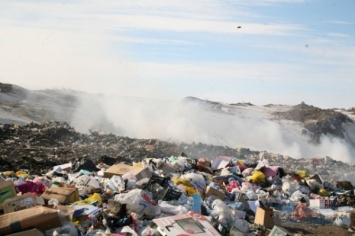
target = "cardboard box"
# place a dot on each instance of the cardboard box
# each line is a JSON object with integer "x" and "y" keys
{"x": 318, "y": 203}
{"x": 212, "y": 191}
{"x": 165, "y": 168}
{"x": 185, "y": 224}
{"x": 264, "y": 217}
{"x": 31, "y": 232}
{"x": 7, "y": 190}
{"x": 141, "y": 173}
{"x": 118, "y": 169}
{"x": 42, "y": 218}
{"x": 64, "y": 195}
{"x": 25, "y": 201}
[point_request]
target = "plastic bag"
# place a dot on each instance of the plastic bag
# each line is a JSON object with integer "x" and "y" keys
{"x": 289, "y": 186}
{"x": 197, "y": 181}
{"x": 139, "y": 202}
{"x": 257, "y": 177}
{"x": 297, "y": 196}
{"x": 251, "y": 195}
{"x": 222, "y": 212}
{"x": 171, "y": 209}
{"x": 342, "y": 221}
{"x": 241, "y": 225}
{"x": 116, "y": 184}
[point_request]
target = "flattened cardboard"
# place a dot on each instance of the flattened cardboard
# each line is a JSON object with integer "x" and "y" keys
{"x": 185, "y": 224}
{"x": 42, "y": 218}
{"x": 118, "y": 169}
{"x": 31, "y": 232}
{"x": 25, "y": 201}
{"x": 7, "y": 190}
{"x": 64, "y": 195}
{"x": 264, "y": 217}
{"x": 212, "y": 191}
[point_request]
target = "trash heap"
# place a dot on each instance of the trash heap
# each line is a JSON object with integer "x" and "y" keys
{"x": 177, "y": 195}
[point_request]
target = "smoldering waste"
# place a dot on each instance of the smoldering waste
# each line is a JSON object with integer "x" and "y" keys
{"x": 35, "y": 149}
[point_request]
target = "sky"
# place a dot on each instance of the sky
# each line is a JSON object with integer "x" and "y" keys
{"x": 261, "y": 51}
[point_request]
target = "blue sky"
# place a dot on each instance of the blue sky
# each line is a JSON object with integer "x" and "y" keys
{"x": 262, "y": 51}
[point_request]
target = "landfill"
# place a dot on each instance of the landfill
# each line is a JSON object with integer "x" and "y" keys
{"x": 55, "y": 181}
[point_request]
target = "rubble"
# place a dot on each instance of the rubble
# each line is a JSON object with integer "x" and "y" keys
{"x": 102, "y": 184}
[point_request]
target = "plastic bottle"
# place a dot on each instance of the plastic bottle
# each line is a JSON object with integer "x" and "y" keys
{"x": 196, "y": 207}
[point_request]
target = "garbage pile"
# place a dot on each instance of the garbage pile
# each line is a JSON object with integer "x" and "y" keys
{"x": 175, "y": 195}
{"x": 55, "y": 181}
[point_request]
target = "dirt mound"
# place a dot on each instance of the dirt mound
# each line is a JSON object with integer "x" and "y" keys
{"x": 317, "y": 121}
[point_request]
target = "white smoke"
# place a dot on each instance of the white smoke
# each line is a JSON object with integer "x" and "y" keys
{"x": 182, "y": 121}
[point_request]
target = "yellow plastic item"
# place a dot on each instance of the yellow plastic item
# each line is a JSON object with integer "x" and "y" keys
{"x": 137, "y": 164}
{"x": 303, "y": 174}
{"x": 9, "y": 173}
{"x": 258, "y": 177}
{"x": 21, "y": 174}
{"x": 323, "y": 192}
{"x": 95, "y": 197}
{"x": 240, "y": 162}
{"x": 188, "y": 186}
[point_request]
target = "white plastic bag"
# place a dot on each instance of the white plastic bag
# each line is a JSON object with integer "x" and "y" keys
{"x": 222, "y": 212}
{"x": 171, "y": 209}
{"x": 139, "y": 202}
